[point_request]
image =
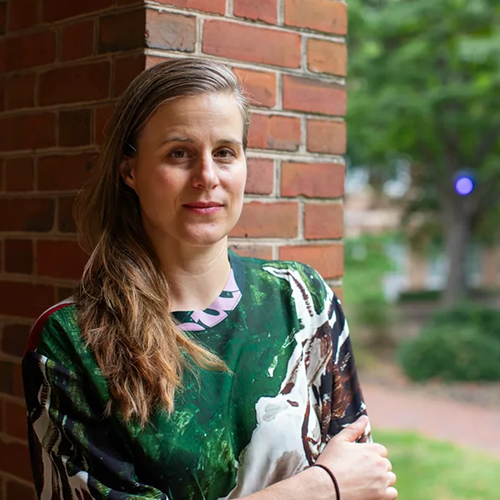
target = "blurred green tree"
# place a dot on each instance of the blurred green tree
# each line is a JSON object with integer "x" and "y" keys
{"x": 424, "y": 86}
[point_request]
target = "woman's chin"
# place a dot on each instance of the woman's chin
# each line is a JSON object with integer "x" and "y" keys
{"x": 204, "y": 238}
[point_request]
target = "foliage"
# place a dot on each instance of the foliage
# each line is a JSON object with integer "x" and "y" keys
{"x": 424, "y": 85}
{"x": 485, "y": 320}
{"x": 460, "y": 344}
{"x": 412, "y": 296}
{"x": 428, "y": 469}
{"x": 422, "y": 75}
{"x": 366, "y": 262}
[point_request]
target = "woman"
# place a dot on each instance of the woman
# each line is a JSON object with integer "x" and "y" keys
{"x": 180, "y": 370}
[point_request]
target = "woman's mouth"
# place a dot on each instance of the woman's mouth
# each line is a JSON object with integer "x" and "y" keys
{"x": 204, "y": 208}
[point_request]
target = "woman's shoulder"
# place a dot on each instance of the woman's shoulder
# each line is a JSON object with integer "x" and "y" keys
{"x": 290, "y": 274}
{"x": 288, "y": 269}
{"x": 55, "y": 334}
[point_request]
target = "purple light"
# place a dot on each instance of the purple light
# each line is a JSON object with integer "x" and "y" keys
{"x": 464, "y": 186}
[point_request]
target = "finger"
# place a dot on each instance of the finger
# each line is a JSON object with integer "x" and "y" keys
{"x": 381, "y": 450}
{"x": 391, "y": 479}
{"x": 391, "y": 494}
{"x": 388, "y": 465}
{"x": 353, "y": 431}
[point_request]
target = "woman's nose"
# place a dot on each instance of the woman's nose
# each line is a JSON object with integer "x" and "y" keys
{"x": 205, "y": 172}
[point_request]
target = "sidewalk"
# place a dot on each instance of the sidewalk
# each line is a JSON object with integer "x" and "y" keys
{"x": 464, "y": 424}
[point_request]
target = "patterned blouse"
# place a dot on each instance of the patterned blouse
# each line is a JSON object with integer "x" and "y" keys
{"x": 293, "y": 386}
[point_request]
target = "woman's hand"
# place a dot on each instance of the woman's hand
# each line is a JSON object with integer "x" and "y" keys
{"x": 363, "y": 470}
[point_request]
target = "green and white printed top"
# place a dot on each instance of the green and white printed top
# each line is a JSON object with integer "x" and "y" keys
{"x": 283, "y": 335}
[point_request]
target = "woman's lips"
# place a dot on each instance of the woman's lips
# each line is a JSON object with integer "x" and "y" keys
{"x": 204, "y": 208}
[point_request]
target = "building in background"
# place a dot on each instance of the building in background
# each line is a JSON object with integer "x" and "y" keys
{"x": 416, "y": 268}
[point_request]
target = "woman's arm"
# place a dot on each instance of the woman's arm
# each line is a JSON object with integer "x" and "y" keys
{"x": 362, "y": 471}
{"x": 340, "y": 394}
{"x": 74, "y": 451}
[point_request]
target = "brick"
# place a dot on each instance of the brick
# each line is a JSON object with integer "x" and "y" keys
{"x": 85, "y": 82}
{"x": 26, "y": 215}
{"x": 125, "y": 71}
{"x": 23, "y": 14}
{"x": 19, "y": 256}
{"x": 259, "y": 87}
{"x": 17, "y": 381}
{"x": 15, "y": 460}
{"x": 6, "y": 377}
{"x": 272, "y": 220}
{"x": 327, "y": 57}
{"x": 122, "y": 31}
{"x": 339, "y": 292}
{"x": 33, "y": 131}
{"x": 3, "y": 54}
{"x": 251, "y": 44}
{"x": 74, "y": 127}
{"x": 319, "y": 15}
{"x": 323, "y": 221}
{"x": 77, "y": 40}
{"x": 3, "y": 22}
{"x": 55, "y": 10}
{"x": 215, "y": 6}
{"x": 274, "y": 132}
{"x": 28, "y": 51}
{"x": 64, "y": 292}
{"x": 20, "y": 91}
{"x": 14, "y": 339}
{"x": 18, "y": 491}
{"x": 15, "y": 421}
{"x": 314, "y": 180}
{"x": 180, "y": 35}
{"x": 325, "y": 136}
{"x": 154, "y": 60}
{"x": 260, "y": 176}
{"x": 19, "y": 174}
{"x": 328, "y": 260}
{"x": 102, "y": 116}
{"x": 313, "y": 96}
{"x": 256, "y": 251}
{"x": 64, "y": 172}
{"x": 2, "y": 89}
{"x": 25, "y": 300}
{"x": 66, "y": 222}
{"x": 263, "y": 10}
{"x": 60, "y": 259}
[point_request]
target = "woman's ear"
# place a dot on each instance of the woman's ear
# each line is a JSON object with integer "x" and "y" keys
{"x": 127, "y": 166}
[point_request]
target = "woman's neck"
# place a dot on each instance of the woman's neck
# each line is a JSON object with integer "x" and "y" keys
{"x": 196, "y": 276}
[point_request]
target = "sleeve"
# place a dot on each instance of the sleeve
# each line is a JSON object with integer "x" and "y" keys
{"x": 340, "y": 395}
{"x": 75, "y": 452}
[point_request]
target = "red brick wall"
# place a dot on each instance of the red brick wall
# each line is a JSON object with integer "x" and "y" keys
{"x": 62, "y": 66}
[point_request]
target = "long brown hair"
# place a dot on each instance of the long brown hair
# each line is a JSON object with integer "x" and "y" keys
{"x": 123, "y": 299}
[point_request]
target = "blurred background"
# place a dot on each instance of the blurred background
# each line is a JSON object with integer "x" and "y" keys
{"x": 421, "y": 283}
{"x": 422, "y": 221}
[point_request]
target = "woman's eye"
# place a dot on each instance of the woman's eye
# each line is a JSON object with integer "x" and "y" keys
{"x": 225, "y": 153}
{"x": 178, "y": 154}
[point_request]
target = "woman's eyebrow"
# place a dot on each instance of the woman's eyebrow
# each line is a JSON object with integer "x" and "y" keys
{"x": 176, "y": 138}
{"x": 181, "y": 138}
{"x": 230, "y": 141}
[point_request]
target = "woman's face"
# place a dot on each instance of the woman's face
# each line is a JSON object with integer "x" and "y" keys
{"x": 190, "y": 170}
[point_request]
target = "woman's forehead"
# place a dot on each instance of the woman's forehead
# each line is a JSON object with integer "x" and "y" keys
{"x": 201, "y": 114}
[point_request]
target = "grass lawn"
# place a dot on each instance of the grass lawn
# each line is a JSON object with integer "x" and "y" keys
{"x": 435, "y": 470}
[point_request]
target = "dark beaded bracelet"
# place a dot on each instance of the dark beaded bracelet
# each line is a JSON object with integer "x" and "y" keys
{"x": 334, "y": 479}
